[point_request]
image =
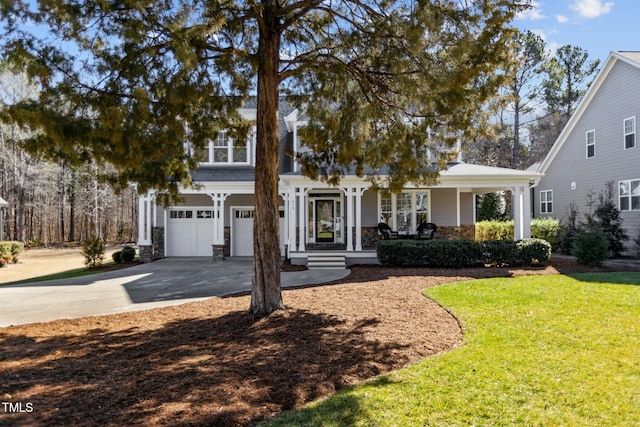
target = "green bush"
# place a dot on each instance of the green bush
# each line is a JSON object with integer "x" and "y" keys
{"x": 93, "y": 251}
{"x": 499, "y": 252}
{"x": 128, "y": 254}
{"x": 591, "y": 248}
{"x": 533, "y": 251}
{"x": 463, "y": 253}
{"x": 494, "y": 230}
{"x": 117, "y": 257}
{"x": 431, "y": 253}
{"x": 10, "y": 250}
{"x": 547, "y": 229}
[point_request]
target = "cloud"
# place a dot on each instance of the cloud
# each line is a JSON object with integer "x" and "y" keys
{"x": 562, "y": 19}
{"x": 532, "y": 14}
{"x": 591, "y": 8}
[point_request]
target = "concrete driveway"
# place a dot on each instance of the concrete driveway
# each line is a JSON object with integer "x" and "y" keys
{"x": 166, "y": 282}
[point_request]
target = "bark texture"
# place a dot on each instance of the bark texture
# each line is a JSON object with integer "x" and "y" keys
{"x": 266, "y": 294}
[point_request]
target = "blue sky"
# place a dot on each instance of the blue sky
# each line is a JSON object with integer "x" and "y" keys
{"x": 598, "y": 26}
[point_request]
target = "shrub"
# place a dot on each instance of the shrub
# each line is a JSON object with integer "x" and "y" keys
{"x": 463, "y": 253}
{"x": 93, "y": 251}
{"x": 10, "y": 250}
{"x": 533, "y": 251}
{"x": 547, "y": 229}
{"x": 499, "y": 252}
{"x": 591, "y": 248}
{"x": 3, "y": 262}
{"x": 494, "y": 230}
{"x": 431, "y": 253}
{"x": 117, "y": 257}
{"x": 128, "y": 254}
{"x": 608, "y": 219}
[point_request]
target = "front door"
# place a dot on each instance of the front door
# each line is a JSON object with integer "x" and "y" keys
{"x": 325, "y": 218}
{"x": 325, "y": 221}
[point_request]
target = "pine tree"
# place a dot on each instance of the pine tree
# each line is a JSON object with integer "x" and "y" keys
{"x": 128, "y": 82}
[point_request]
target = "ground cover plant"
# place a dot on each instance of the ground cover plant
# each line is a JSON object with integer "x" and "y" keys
{"x": 210, "y": 363}
{"x": 545, "y": 350}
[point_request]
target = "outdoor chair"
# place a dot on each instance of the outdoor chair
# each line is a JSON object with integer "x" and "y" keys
{"x": 427, "y": 230}
{"x": 386, "y": 231}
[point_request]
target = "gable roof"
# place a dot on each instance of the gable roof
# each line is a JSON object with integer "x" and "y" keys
{"x": 631, "y": 58}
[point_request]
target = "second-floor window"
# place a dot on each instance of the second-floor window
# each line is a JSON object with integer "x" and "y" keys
{"x": 629, "y": 133}
{"x": 224, "y": 150}
{"x": 591, "y": 144}
{"x": 546, "y": 201}
{"x": 629, "y": 193}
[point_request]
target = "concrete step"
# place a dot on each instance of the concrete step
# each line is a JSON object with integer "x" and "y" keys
{"x": 333, "y": 262}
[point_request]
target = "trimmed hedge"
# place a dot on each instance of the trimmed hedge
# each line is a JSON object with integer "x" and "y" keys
{"x": 462, "y": 253}
{"x": 541, "y": 228}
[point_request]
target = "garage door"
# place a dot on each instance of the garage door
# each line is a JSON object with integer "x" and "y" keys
{"x": 242, "y": 231}
{"x": 190, "y": 232}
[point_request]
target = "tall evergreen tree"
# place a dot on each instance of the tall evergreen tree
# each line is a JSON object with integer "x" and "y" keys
{"x": 569, "y": 74}
{"x": 523, "y": 91}
{"x": 128, "y": 82}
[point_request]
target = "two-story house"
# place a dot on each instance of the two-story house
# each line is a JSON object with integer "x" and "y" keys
{"x": 598, "y": 145}
{"x": 315, "y": 218}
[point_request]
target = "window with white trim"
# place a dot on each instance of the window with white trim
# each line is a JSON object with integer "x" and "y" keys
{"x": 630, "y": 133}
{"x": 629, "y": 195}
{"x": 591, "y": 144}
{"x": 404, "y": 211}
{"x": 226, "y": 150}
{"x": 546, "y": 201}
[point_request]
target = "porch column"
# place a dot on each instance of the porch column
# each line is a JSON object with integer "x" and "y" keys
{"x": 519, "y": 214}
{"x": 349, "y": 193}
{"x": 291, "y": 219}
{"x": 457, "y": 207}
{"x": 144, "y": 219}
{"x": 359, "y": 192}
{"x": 302, "y": 203}
{"x": 526, "y": 212}
{"x": 218, "y": 217}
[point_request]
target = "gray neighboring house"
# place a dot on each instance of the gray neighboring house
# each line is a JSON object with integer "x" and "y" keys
{"x": 599, "y": 144}
{"x": 318, "y": 222}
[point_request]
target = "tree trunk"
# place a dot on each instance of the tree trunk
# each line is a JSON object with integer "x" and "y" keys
{"x": 266, "y": 294}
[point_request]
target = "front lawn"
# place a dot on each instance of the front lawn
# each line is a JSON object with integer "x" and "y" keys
{"x": 543, "y": 350}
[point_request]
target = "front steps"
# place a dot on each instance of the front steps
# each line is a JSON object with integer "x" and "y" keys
{"x": 326, "y": 262}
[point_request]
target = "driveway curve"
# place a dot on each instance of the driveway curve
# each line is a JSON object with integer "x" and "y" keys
{"x": 166, "y": 282}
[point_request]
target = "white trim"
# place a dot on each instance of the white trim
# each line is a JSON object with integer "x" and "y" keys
{"x": 624, "y": 133}
{"x": 586, "y": 137}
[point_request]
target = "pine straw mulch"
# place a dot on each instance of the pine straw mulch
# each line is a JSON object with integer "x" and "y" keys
{"x": 211, "y": 363}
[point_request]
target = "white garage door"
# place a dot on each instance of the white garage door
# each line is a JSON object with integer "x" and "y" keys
{"x": 190, "y": 232}
{"x": 242, "y": 231}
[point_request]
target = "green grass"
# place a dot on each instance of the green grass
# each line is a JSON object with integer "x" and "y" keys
{"x": 537, "y": 351}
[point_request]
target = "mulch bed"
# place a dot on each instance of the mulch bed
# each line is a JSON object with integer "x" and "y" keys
{"x": 210, "y": 363}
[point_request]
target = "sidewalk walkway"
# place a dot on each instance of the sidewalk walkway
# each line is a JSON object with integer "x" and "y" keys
{"x": 162, "y": 283}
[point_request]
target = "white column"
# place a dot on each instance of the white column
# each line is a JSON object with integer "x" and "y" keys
{"x": 518, "y": 217}
{"x": 291, "y": 219}
{"x": 526, "y": 212}
{"x": 359, "y": 192}
{"x": 218, "y": 217}
{"x": 302, "y": 203}
{"x": 349, "y": 194}
{"x": 144, "y": 220}
{"x": 457, "y": 207}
